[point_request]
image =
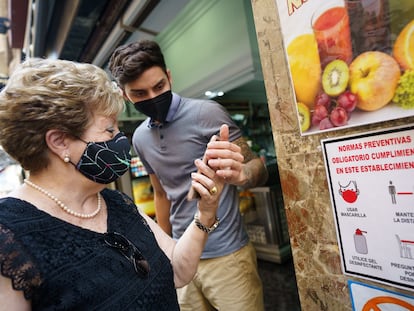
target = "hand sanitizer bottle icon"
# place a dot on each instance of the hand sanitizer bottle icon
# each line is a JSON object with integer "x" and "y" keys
{"x": 360, "y": 242}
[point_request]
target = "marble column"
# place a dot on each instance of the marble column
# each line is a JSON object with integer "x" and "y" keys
{"x": 321, "y": 283}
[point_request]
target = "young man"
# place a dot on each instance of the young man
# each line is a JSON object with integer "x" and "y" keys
{"x": 178, "y": 130}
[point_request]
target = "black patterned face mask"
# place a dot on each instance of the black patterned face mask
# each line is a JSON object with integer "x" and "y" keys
{"x": 104, "y": 162}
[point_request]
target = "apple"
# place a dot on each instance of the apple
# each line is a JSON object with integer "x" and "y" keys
{"x": 373, "y": 77}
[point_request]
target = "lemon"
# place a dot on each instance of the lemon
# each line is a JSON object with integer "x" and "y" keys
{"x": 305, "y": 68}
{"x": 403, "y": 50}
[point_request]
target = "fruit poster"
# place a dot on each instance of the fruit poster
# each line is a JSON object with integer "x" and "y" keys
{"x": 371, "y": 183}
{"x": 351, "y": 61}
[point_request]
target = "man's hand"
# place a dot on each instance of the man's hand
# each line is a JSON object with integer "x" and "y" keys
{"x": 226, "y": 158}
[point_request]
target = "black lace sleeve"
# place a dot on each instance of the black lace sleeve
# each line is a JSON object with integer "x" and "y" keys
{"x": 16, "y": 264}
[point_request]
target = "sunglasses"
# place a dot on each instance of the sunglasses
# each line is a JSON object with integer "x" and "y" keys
{"x": 130, "y": 252}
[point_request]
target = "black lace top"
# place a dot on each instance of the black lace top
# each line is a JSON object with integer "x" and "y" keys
{"x": 60, "y": 266}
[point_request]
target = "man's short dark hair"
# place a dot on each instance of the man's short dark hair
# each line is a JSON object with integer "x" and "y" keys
{"x": 129, "y": 61}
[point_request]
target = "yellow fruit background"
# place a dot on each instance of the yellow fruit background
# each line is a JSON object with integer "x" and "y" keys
{"x": 403, "y": 50}
{"x": 305, "y": 68}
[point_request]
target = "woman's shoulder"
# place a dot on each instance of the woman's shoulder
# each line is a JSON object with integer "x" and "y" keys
{"x": 115, "y": 196}
{"x": 11, "y": 207}
{"x": 119, "y": 204}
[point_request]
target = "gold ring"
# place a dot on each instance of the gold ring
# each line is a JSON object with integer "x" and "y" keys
{"x": 213, "y": 190}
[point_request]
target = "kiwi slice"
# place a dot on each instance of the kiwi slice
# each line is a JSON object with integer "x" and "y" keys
{"x": 304, "y": 116}
{"x": 335, "y": 77}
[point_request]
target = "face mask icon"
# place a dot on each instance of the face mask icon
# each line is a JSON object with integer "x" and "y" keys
{"x": 349, "y": 192}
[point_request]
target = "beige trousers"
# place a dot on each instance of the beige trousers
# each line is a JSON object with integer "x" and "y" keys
{"x": 225, "y": 283}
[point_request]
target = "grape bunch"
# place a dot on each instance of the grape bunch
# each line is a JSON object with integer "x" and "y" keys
{"x": 332, "y": 112}
{"x": 334, "y": 105}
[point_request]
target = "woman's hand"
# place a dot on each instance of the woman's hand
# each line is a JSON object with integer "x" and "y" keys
{"x": 209, "y": 186}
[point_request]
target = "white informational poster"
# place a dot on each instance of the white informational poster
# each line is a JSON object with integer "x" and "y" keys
{"x": 371, "y": 180}
{"x": 366, "y": 298}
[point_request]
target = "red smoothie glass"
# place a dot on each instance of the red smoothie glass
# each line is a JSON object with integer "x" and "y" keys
{"x": 330, "y": 25}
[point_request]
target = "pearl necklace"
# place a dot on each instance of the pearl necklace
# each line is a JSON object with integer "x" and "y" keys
{"x": 62, "y": 205}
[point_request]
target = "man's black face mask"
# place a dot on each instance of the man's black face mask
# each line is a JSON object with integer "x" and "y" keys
{"x": 156, "y": 108}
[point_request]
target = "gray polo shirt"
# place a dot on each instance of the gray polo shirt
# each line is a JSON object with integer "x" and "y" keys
{"x": 169, "y": 152}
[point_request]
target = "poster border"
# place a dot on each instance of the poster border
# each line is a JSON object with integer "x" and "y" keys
{"x": 350, "y": 282}
{"x": 326, "y": 141}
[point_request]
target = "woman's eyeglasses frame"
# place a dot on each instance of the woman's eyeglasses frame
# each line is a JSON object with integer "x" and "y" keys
{"x": 119, "y": 242}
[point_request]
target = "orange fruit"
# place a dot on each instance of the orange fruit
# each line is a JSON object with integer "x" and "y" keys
{"x": 403, "y": 50}
{"x": 305, "y": 68}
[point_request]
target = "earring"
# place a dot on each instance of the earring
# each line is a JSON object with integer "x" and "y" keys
{"x": 66, "y": 159}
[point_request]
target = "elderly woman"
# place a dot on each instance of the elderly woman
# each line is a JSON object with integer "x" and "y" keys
{"x": 66, "y": 241}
